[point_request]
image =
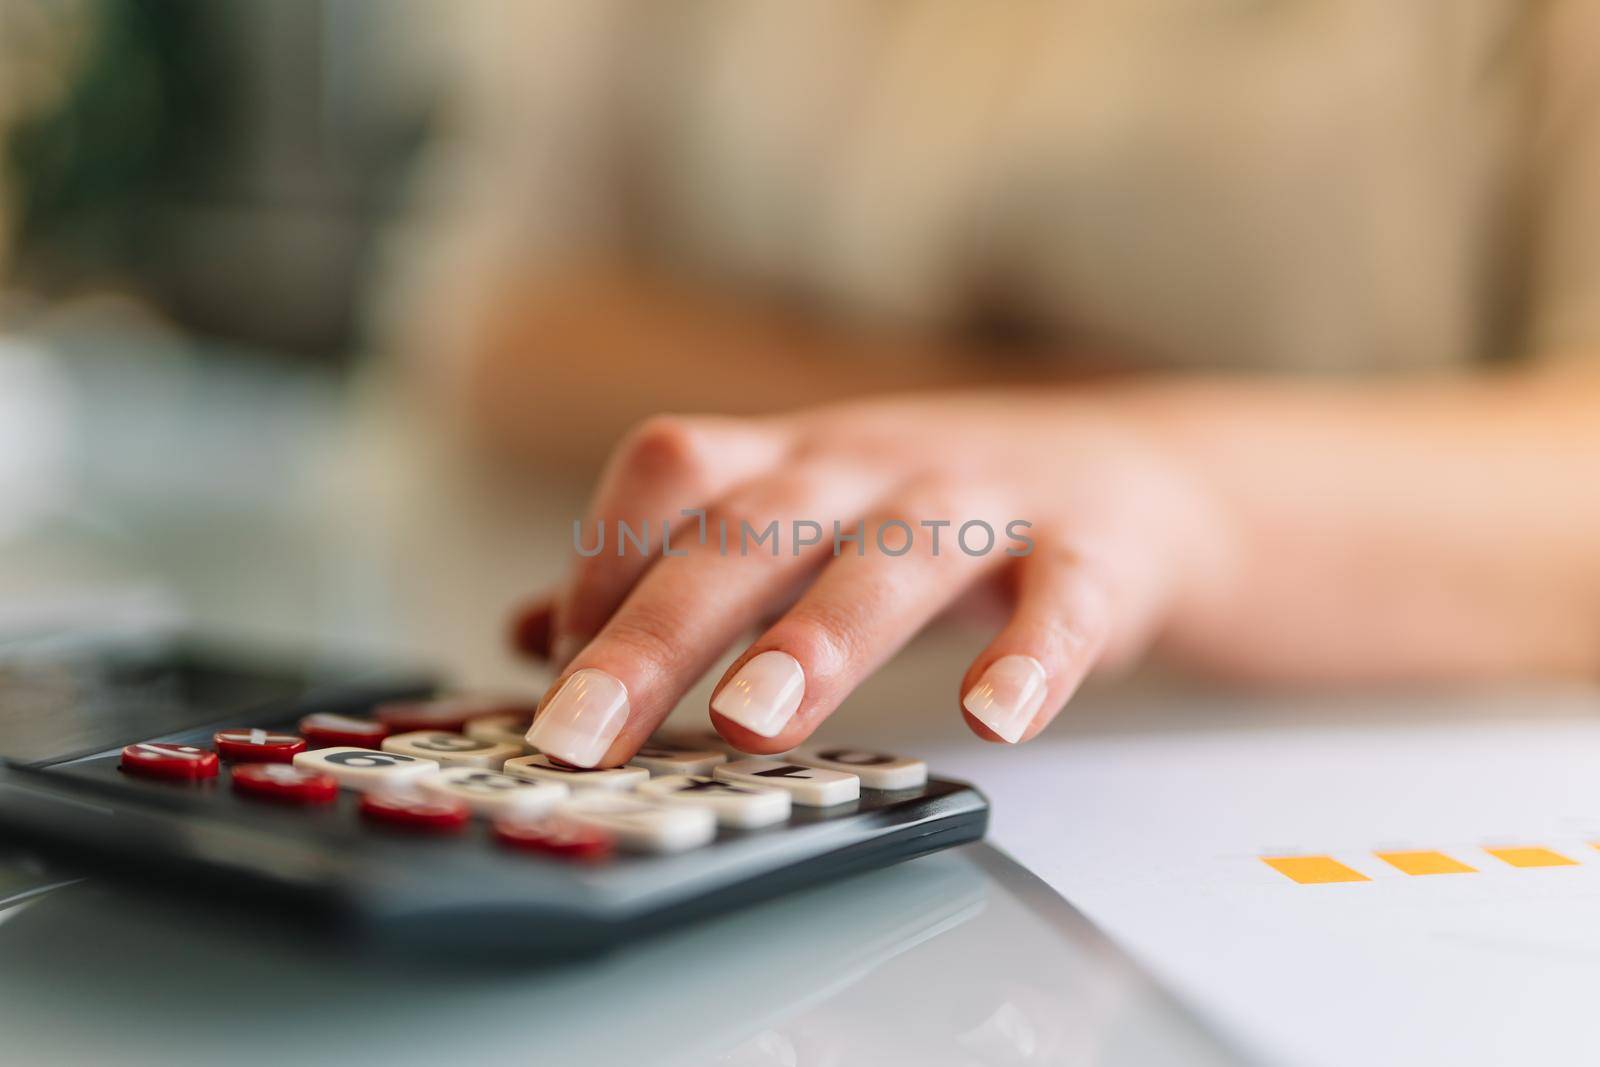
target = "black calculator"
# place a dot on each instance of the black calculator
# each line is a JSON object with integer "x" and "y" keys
{"x": 374, "y": 811}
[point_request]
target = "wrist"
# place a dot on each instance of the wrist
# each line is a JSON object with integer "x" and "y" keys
{"x": 1192, "y": 526}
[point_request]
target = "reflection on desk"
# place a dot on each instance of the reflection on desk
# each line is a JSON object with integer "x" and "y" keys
{"x": 959, "y": 958}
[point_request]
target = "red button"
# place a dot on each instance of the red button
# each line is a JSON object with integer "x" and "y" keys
{"x": 257, "y": 746}
{"x": 449, "y": 714}
{"x": 414, "y": 813}
{"x": 170, "y": 761}
{"x": 325, "y": 729}
{"x": 281, "y": 782}
{"x": 481, "y": 707}
{"x": 555, "y": 836}
{"x": 402, "y": 718}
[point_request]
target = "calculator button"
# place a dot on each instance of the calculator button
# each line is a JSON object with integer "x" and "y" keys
{"x": 257, "y": 746}
{"x": 641, "y": 825}
{"x": 877, "y": 770}
{"x": 488, "y": 705}
{"x": 452, "y": 750}
{"x": 450, "y": 712}
{"x": 510, "y": 727}
{"x": 414, "y": 812}
{"x": 284, "y": 783}
{"x": 811, "y": 787}
{"x": 495, "y": 795}
{"x": 408, "y": 715}
{"x": 694, "y": 737}
{"x": 663, "y": 759}
{"x": 325, "y": 730}
{"x": 543, "y": 769}
{"x": 185, "y": 762}
{"x": 365, "y": 768}
{"x": 555, "y": 836}
{"x": 733, "y": 803}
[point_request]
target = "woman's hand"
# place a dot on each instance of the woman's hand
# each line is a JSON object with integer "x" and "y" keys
{"x": 1093, "y": 531}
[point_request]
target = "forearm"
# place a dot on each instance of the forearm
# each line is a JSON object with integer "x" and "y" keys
{"x": 1392, "y": 531}
{"x": 1438, "y": 529}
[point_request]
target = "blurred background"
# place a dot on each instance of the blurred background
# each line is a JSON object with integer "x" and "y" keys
{"x": 226, "y": 168}
{"x": 193, "y": 202}
{"x": 318, "y": 316}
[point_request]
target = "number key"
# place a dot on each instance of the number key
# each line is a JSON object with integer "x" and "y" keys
{"x": 544, "y": 769}
{"x": 877, "y": 770}
{"x": 811, "y": 787}
{"x": 495, "y": 795}
{"x": 454, "y": 750}
{"x": 733, "y": 803}
{"x": 666, "y": 759}
{"x": 365, "y": 768}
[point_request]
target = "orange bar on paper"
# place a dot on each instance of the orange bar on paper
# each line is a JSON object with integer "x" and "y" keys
{"x": 1531, "y": 856}
{"x": 1314, "y": 870}
{"x": 1424, "y": 862}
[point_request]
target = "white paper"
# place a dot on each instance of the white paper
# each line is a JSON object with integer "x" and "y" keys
{"x": 1159, "y": 838}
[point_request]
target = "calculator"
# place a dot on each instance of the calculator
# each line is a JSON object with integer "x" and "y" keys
{"x": 374, "y": 811}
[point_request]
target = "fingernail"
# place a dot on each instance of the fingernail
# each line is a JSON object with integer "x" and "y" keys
{"x": 1008, "y": 696}
{"x": 564, "y": 650}
{"x": 582, "y": 719}
{"x": 763, "y": 696}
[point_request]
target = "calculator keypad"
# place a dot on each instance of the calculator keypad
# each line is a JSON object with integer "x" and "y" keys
{"x": 543, "y": 769}
{"x": 366, "y": 769}
{"x": 671, "y": 797}
{"x": 396, "y": 850}
{"x": 733, "y": 803}
{"x": 495, "y": 795}
{"x": 451, "y": 749}
{"x": 812, "y": 787}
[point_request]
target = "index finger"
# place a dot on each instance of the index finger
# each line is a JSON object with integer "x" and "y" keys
{"x": 667, "y": 466}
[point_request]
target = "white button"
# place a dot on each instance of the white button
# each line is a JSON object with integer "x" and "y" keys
{"x": 365, "y": 768}
{"x": 811, "y": 787}
{"x": 453, "y": 750}
{"x": 494, "y": 795}
{"x": 642, "y": 825}
{"x": 508, "y": 728}
{"x": 694, "y": 737}
{"x": 691, "y": 738}
{"x": 540, "y": 768}
{"x": 733, "y": 803}
{"x": 665, "y": 759}
{"x": 877, "y": 770}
